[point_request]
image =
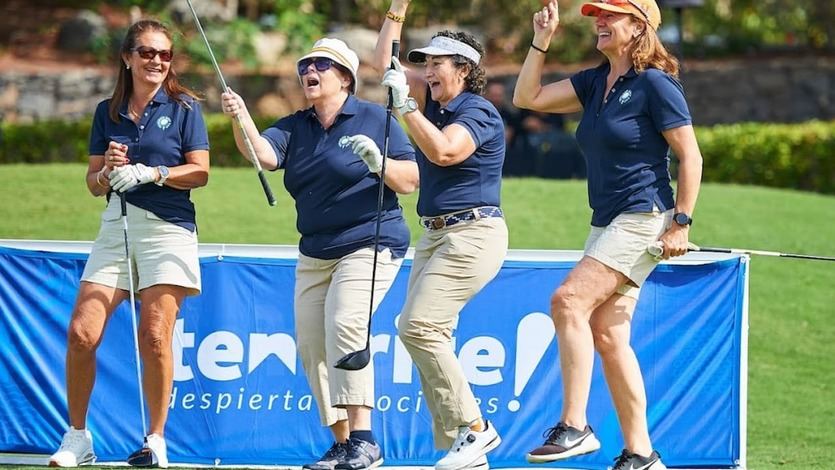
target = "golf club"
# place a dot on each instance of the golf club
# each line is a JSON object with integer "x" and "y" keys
{"x": 359, "y": 359}
{"x": 657, "y": 249}
{"x": 123, "y": 200}
{"x": 248, "y": 143}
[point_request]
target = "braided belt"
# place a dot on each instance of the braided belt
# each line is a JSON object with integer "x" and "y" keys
{"x": 448, "y": 220}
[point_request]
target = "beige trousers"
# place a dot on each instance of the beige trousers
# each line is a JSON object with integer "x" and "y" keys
{"x": 451, "y": 265}
{"x": 331, "y": 308}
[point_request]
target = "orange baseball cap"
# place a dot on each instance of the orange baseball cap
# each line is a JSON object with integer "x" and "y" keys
{"x": 646, "y": 10}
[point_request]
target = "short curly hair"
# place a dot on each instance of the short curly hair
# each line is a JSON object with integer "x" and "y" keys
{"x": 476, "y": 77}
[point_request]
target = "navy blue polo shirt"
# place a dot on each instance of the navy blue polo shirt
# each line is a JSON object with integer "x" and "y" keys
{"x": 335, "y": 194}
{"x": 164, "y": 134}
{"x": 477, "y": 181}
{"x": 620, "y": 135}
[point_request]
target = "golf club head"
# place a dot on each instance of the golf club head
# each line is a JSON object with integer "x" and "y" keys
{"x": 354, "y": 361}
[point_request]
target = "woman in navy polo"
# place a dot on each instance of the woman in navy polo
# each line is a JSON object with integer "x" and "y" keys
{"x": 336, "y": 205}
{"x": 461, "y": 149}
{"x": 634, "y": 113}
{"x": 149, "y": 145}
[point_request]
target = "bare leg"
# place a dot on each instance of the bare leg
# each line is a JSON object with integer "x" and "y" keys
{"x": 359, "y": 417}
{"x": 341, "y": 430}
{"x": 160, "y": 305}
{"x": 611, "y": 324}
{"x": 587, "y": 286}
{"x": 93, "y": 307}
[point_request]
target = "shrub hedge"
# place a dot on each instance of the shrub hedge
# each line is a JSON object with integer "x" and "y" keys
{"x": 799, "y": 156}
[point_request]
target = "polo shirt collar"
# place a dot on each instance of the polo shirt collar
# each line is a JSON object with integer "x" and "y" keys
{"x": 456, "y": 102}
{"x": 350, "y": 107}
{"x": 160, "y": 97}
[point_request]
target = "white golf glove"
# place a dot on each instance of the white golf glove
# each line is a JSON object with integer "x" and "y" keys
{"x": 365, "y": 148}
{"x": 396, "y": 80}
{"x": 123, "y": 178}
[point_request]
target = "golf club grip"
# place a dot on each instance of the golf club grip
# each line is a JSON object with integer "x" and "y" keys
{"x": 395, "y": 52}
{"x": 250, "y": 149}
{"x": 124, "y": 203}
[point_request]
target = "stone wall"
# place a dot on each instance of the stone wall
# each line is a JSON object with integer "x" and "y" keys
{"x": 776, "y": 90}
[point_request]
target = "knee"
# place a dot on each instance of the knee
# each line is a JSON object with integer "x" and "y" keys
{"x": 81, "y": 339}
{"x": 155, "y": 339}
{"x": 606, "y": 343}
{"x": 414, "y": 333}
{"x": 564, "y": 308}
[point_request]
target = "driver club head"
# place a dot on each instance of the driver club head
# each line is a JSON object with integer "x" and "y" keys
{"x": 354, "y": 361}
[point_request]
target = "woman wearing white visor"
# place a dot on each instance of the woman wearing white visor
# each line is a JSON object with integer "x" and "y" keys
{"x": 330, "y": 153}
{"x": 460, "y": 153}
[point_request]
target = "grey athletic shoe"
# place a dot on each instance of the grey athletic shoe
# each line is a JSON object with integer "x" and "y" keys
{"x": 361, "y": 455}
{"x": 561, "y": 442}
{"x": 627, "y": 461}
{"x": 336, "y": 454}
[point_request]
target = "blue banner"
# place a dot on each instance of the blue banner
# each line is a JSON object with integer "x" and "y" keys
{"x": 240, "y": 396}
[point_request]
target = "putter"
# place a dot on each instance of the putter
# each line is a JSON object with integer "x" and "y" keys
{"x": 123, "y": 200}
{"x": 656, "y": 249}
{"x": 248, "y": 143}
{"x": 359, "y": 359}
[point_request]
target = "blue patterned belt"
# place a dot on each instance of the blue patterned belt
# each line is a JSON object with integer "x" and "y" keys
{"x": 448, "y": 220}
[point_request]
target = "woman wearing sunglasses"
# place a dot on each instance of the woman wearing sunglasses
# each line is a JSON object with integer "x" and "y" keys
{"x": 634, "y": 113}
{"x": 461, "y": 149}
{"x": 330, "y": 153}
{"x": 149, "y": 145}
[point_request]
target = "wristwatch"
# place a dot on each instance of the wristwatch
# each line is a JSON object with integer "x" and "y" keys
{"x": 682, "y": 219}
{"x": 163, "y": 175}
{"x": 409, "y": 106}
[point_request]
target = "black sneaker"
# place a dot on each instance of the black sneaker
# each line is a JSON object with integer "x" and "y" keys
{"x": 361, "y": 455}
{"x": 627, "y": 461}
{"x": 561, "y": 442}
{"x": 333, "y": 456}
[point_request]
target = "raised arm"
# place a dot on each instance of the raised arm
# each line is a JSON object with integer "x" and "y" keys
{"x": 558, "y": 97}
{"x": 234, "y": 105}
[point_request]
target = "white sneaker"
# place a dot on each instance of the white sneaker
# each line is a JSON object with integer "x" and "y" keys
{"x": 480, "y": 464}
{"x": 76, "y": 449}
{"x": 469, "y": 447}
{"x": 153, "y": 453}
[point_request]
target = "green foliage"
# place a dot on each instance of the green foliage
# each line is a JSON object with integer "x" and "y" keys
{"x": 779, "y": 155}
{"x": 747, "y": 25}
{"x": 795, "y": 156}
{"x": 233, "y": 40}
{"x": 300, "y": 21}
{"x": 223, "y": 151}
{"x": 44, "y": 142}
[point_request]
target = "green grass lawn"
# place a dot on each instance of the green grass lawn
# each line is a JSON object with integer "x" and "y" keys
{"x": 791, "y": 400}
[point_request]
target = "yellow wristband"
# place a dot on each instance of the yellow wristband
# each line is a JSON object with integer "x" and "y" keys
{"x": 395, "y": 18}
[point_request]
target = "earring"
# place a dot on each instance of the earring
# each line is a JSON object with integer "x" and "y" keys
{"x": 127, "y": 67}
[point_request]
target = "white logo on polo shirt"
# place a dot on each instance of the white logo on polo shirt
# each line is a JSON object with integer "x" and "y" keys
{"x": 164, "y": 122}
{"x": 625, "y": 96}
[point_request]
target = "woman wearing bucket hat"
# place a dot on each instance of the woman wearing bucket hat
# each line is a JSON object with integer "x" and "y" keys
{"x": 460, "y": 152}
{"x": 336, "y": 203}
{"x": 634, "y": 113}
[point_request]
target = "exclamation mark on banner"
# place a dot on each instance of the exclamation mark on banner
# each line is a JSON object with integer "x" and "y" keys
{"x": 533, "y": 336}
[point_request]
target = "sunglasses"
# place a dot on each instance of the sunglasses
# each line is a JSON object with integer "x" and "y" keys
{"x": 321, "y": 64}
{"x": 149, "y": 53}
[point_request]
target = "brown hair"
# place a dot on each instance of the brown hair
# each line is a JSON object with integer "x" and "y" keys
{"x": 476, "y": 80}
{"x": 650, "y": 53}
{"x": 124, "y": 82}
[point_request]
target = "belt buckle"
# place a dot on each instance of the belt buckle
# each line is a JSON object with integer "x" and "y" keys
{"x": 437, "y": 223}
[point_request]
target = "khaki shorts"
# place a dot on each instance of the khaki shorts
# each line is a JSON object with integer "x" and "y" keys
{"x": 161, "y": 252}
{"x": 331, "y": 313}
{"x": 622, "y": 246}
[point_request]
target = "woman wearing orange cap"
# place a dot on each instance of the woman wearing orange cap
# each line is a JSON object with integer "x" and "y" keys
{"x": 634, "y": 113}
